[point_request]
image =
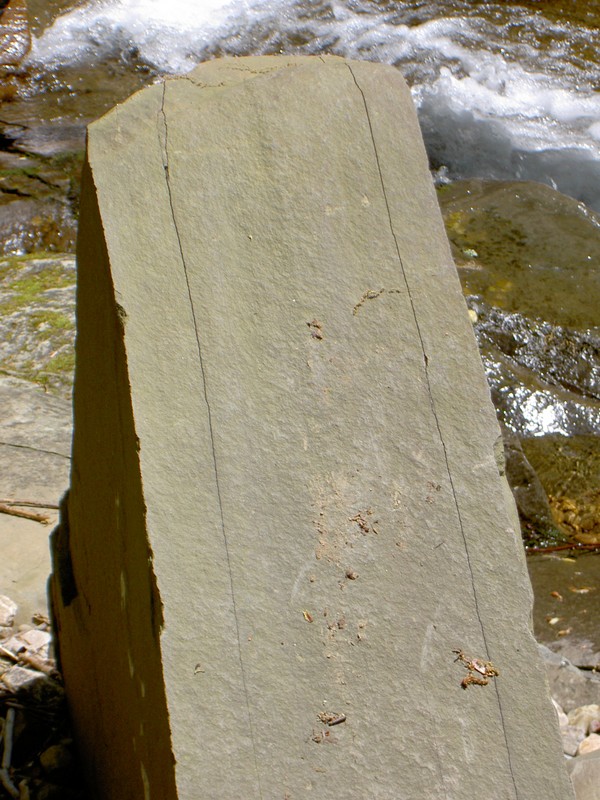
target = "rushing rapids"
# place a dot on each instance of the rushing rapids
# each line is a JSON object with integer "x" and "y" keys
{"x": 503, "y": 92}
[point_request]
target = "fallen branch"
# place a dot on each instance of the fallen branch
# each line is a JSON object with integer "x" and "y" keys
{"x": 28, "y": 504}
{"x": 557, "y": 547}
{"x": 15, "y": 512}
{"x": 8, "y": 784}
{"x": 8, "y": 654}
{"x": 48, "y": 666}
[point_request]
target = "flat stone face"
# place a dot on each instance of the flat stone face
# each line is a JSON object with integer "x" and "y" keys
{"x": 286, "y": 508}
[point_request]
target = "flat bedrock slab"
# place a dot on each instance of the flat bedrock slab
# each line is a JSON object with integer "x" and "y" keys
{"x": 287, "y": 503}
{"x": 35, "y": 441}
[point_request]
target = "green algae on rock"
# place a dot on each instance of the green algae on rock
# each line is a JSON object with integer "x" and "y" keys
{"x": 524, "y": 247}
{"x": 568, "y": 468}
{"x": 37, "y": 319}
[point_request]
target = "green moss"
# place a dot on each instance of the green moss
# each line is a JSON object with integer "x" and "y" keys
{"x": 70, "y": 158}
{"x": 34, "y": 285}
{"x": 55, "y": 320}
{"x": 25, "y": 291}
{"x": 15, "y": 263}
{"x": 63, "y": 363}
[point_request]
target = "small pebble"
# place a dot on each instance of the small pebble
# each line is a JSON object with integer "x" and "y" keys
{"x": 8, "y": 610}
{"x": 584, "y": 716}
{"x": 17, "y": 678}
{"x": 589, "y": 744}
{"x": 57, "y": 758}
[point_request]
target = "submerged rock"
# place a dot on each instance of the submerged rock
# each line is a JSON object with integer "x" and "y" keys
{"x": 568, "y": 469}
{"x": 535, "y": 514}
{"x": 528, "y": 261}
{"x": 38, "y": 202}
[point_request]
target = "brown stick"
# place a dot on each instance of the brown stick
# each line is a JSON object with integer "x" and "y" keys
{"x": 28, "y": 503}
{"x": 14, "y": 512}
{"x": 47, "y": 667}
{"x": 555, "y": 548}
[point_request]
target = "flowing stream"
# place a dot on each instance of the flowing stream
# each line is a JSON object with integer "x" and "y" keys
{"x": 503, "y": 90}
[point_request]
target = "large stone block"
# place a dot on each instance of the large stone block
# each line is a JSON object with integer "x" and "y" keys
{"x": 286, "y": 501}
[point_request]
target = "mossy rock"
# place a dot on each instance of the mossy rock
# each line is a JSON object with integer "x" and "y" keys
{"x": 523, "y": 247}
{"x": 37, "y": 319}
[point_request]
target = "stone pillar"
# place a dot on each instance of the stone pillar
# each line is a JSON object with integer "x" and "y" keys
{"x": 287, "y": 509}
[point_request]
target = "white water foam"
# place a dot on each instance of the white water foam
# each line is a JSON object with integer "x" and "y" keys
{"x": 492, "y": 103}
{"x": 166, "y": 36}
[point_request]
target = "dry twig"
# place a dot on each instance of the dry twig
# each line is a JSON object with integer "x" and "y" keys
{"x": 29, "y": 504}
{"x": 15, "y": 512}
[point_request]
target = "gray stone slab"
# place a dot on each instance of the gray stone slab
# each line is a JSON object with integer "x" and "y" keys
{"x": 35, "y": 437}
{"x": 286, "y": 499}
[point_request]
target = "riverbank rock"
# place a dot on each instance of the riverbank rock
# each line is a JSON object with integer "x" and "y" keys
{"x": 287, "y": 507}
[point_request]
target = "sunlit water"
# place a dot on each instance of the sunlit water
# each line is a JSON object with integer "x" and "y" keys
{"x": 502, "y": 92}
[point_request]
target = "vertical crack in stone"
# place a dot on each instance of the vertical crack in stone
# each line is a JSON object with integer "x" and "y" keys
{"x": 435, "y": 414}
{"x": 164, "y": 144}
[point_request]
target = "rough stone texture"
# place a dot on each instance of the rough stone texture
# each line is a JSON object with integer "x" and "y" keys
{"x": 585, "y": 774}
{"x": 571, "y": 686}
{"x": 286, "y": 498}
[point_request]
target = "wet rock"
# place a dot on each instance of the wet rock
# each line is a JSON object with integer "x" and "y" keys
{"x": 544, "y": 378}
{"x": 15, "y": 38}
{"x": 568, "y": 469}
{"x": 537, "y": 521}
{"x": 27, "y": 226}
{"x": 525, "y": 248}
{"x": 38, "y": 202}
{"x": 585, "y": 775}
{"x": 527, "y": 258}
